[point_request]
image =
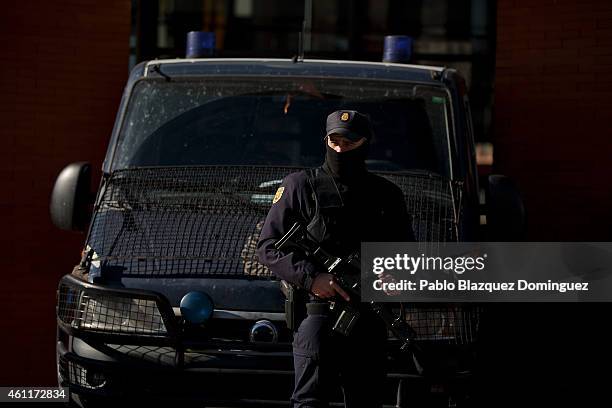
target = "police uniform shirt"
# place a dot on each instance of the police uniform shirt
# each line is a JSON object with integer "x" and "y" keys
{"x": 371, "y": 210}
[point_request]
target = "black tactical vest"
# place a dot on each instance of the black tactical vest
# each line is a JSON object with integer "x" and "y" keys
{"x": 328, "y": 204}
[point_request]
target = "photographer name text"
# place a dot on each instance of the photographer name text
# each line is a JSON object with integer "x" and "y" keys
{"x": 466, "y": 285}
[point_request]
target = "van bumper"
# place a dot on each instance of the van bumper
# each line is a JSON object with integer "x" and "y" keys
{"x": 210, "y": 379}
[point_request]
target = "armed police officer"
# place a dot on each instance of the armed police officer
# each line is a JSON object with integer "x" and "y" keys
{"x": 342, "y": 205}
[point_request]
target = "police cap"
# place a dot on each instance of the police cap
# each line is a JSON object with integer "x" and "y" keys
{"x": 350, "y": 124}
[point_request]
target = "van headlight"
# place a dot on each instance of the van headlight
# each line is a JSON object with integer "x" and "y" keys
{"x": 456, "y": 324}
{"x": 95, "y": 308}
{"x": 121, "y": 315}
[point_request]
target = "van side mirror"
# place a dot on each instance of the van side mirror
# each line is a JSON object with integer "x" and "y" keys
{"x": 506, "y": 216}
{"x": 71, "y": 197}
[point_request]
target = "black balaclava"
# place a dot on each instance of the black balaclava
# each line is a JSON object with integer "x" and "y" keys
{"x": 347, "y": 167}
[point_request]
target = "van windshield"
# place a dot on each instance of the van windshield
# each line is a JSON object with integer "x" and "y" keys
{"x": 279, "y": 122}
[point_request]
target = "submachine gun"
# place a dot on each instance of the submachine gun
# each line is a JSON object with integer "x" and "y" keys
{"x": 347, "y": 272}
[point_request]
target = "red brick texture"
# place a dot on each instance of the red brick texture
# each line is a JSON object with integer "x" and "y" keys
{"x": 553, "y": 127}
{"x": 62, "y": 69}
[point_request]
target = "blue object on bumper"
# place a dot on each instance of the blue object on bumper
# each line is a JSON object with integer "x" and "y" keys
{"x": 196, "y": 307}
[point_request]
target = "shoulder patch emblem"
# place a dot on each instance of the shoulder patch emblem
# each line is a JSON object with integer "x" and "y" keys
{"x": 278, "y": 194}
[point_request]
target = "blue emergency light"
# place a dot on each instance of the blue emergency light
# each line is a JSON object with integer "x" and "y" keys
{"x": 197, "y": 307}
{"x": 398, "y": 48}
{"x": 200, "y": 44}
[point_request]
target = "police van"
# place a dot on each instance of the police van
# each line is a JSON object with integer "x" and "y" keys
{"x": 169, "y": 301}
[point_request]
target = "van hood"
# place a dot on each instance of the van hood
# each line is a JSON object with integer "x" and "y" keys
{"x": 177, "y": 229}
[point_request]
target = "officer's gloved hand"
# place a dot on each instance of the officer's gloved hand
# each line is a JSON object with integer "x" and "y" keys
{"x": 325, "y": 286}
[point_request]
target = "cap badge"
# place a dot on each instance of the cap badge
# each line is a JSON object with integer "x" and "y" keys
{"x": 344, "y": 117}
{"x": 278, "y": 195}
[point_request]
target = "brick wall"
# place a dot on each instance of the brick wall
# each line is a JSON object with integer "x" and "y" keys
{"x": 553, "y": 127}
{"x": 63, "y": 66}
{"x": 553, "y": 136}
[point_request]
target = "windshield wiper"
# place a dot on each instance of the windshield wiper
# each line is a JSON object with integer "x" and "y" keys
{"x": 157, "y": 69}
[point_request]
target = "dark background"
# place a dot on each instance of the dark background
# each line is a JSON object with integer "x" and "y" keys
{"x": 539, "y": 82}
